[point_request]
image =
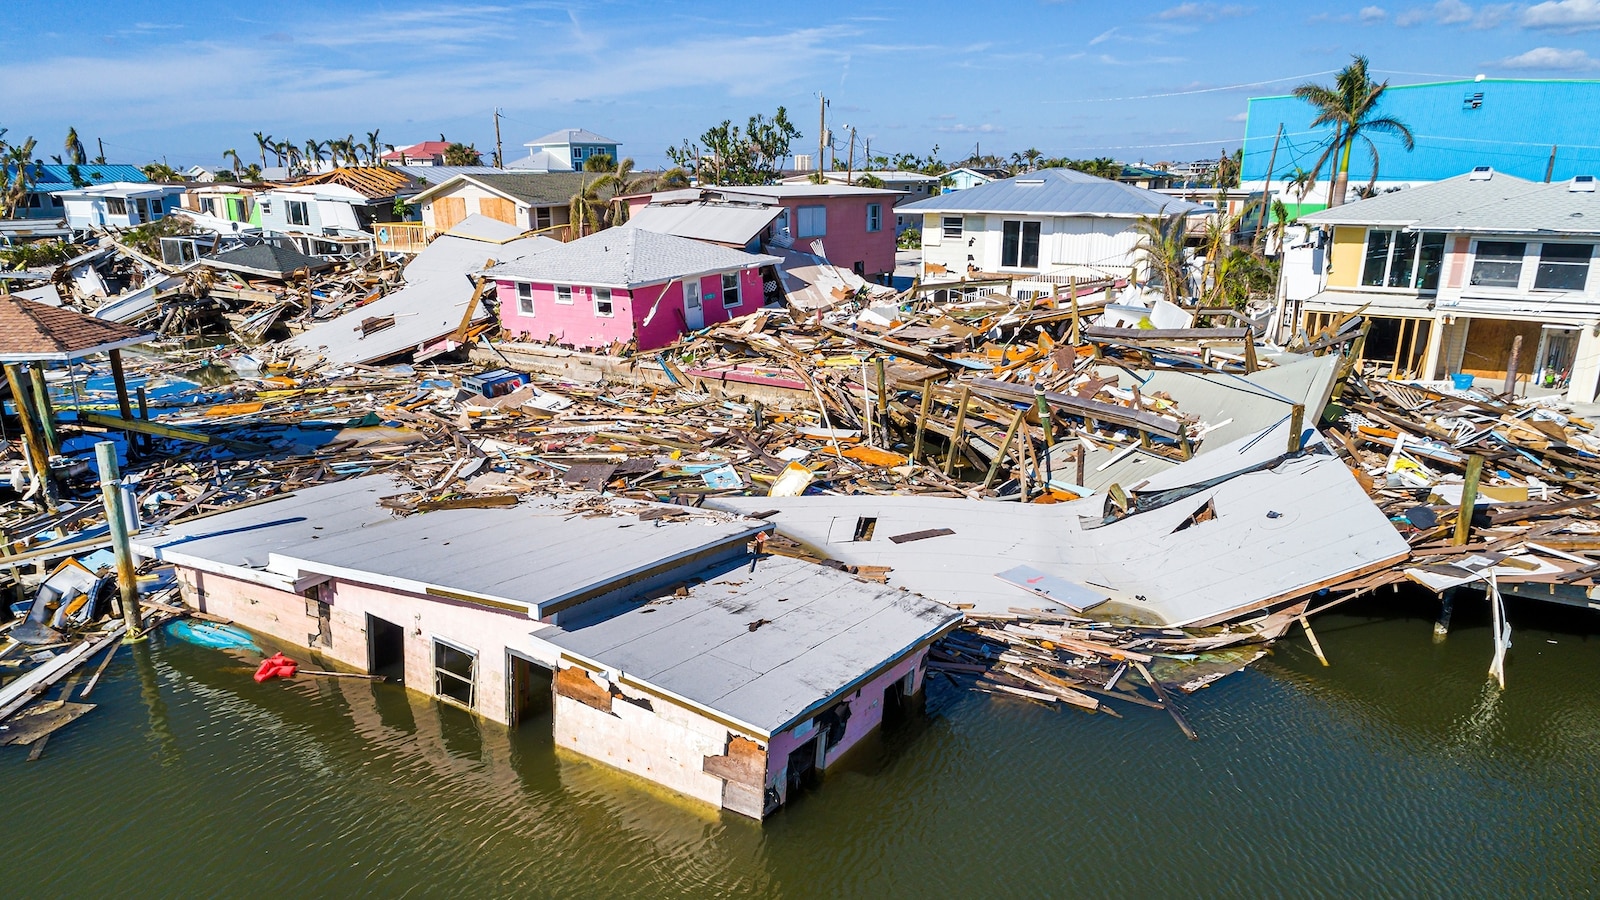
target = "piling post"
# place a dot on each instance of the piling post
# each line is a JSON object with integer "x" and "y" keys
{"x": 37, "y": 456}
{"x": 1511, "y": 365}
{"x": 47, "y": 423}
{"x": 1004, "y": 447}
{"x": 116, "y": 519}
{"x": 1469, "y": 500}
{"x": 1447, "y": 604}
{"x": 956, "y": 433}
{"x": 1297, "y": 420}
{"x": 922, "y": 420}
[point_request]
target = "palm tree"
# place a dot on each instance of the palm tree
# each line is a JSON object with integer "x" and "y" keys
{"x": 252, "y": 172}
{"x": 234, "y": 155}
{"x": 263, "y": 141}
{"x": 1161, "y": 249}
{"x": 280, "y": 150}
{"x": 374, "y": 148}
{"x": 1350, "y": 106}
{"x": 76, "y": 155}
{"x": 315, "y": 150}
{"x": 622, "y": 182}
{"x": 672, "y": 179}
{"x": 459, "y": 154}
{"x": 16, "y": 176}
{"x": 160, "y": 172}
{"x": 585, "y": 211}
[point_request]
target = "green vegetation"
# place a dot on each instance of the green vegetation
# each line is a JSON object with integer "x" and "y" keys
{"x": 1350, "y": 106}
{"x": 726, "y": 154}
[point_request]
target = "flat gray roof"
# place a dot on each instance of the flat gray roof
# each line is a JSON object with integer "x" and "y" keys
{"x": 765, "y": 643}
{"x": 533, "y": 555}
{"x": 1056, "y": 192}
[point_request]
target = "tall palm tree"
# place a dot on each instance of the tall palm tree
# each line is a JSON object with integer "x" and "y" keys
{"x": 160, "y": 172}
{"x": 1161, "y": 249}
{"x": 672, "y": 179}
{"x": 263, "y": 141}
{"x": 586, "y": 211}
{"x": 622, "y": 182}
{"x": 76, "y": 155}
{"x": 238, "y": 166}
{"x": 1350, "y": 106}
{"x": 315, "y": 150}
{"x": 280, "y": 150}
{"x": 252, "y": 172}
{"x": 374, "y": 148}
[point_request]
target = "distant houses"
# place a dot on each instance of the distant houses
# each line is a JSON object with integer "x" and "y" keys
{"x": 564, "y": 151}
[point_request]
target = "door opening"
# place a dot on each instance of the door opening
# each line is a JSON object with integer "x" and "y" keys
{"x": 693, "y": 315}
{"x": 386, "y": 649}
{"x": 528, "y": 690}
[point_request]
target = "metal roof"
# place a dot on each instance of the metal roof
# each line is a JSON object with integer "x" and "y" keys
{"x": 1056, "y": 192}
{"x": 766, "y": 643}
{"x": 88, "y": 173}
{"x": 340, "y": 530}
{"x": 735, "y": 224}
{"x": 570, "y": 136}
{"x": 1500, "y": 204}
{"x": 628, "y": 258}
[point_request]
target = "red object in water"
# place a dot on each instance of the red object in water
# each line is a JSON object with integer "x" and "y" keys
{"x": 276, "y": 666}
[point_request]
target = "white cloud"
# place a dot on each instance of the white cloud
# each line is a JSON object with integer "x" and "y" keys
{"x": 985, "y": 128}
{"x": 1371, "y": 15}
{"x": 1102, "y": 37}
{"x": 1552, "y": 59}
{"x": 1239, "y": 117}
{"x": 1456, "y": 12}
{"x": 1204, "y": 12}
{"x": 1563, "y": 15}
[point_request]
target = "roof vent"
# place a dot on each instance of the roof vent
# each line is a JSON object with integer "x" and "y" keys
{"x": 1582, "y": 184}
{"x": 1481, "y": 173}
{"x": 1473, "y": 100}
{"x": 1030, "y": 181}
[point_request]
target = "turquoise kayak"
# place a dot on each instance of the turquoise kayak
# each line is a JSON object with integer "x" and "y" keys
{"x": 207, "y": 634}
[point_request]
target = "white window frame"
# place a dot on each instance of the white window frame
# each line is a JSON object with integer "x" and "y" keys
{"x": 603, "y": 295}
{"x": 564, "y": 291}
{"x": 525, "y": 298}
{"x": 543, "y": 218}
{"x": 1022, "y": 231}
{"x": 816, "y": 226}
{"x": 945, "y": 229}
{"x": 1413, "y": 280}
{"x": 116, "y": 206}
{"x": 1522, "y": 270}
{"x": 305, "y": 212}
{"x": 737, "y": 287}
{"x": 438, "y": 673}
{"x": 1538, "y": 264}
{"x": 874, "y": 217}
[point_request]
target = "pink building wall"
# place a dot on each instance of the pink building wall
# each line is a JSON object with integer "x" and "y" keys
{"x": 577, "y": 324}
{"x": 848, "y": 241}
{"x": 1458, "y": 261}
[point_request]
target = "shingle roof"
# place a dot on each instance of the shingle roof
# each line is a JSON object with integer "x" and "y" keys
{"x": 532, "y": 188}
{"x": 1059, "y": 192}
{"x": 628, "y": 258}
{"x": 570, "y": 136}
{"x": 1500, "y": 204}
{"x": 266, "y": 259}
{"x": 30, "y": 330}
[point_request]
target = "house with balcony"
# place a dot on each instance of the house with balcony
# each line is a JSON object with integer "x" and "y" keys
{"x": 334, "y": 213}
{"x": 564, "y": 151}
{"x": 627, "y": 285}
{"x": 1462, "y": 275}
{"x": 1039, "y": 228}
{"x": 118, "y": 204}
{"x": 533, "y": 201}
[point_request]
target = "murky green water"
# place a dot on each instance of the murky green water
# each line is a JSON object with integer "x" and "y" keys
{"x": 1394, "y": 772}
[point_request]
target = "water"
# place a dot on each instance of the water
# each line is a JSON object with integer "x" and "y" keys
{"x": 1397, "y": 771}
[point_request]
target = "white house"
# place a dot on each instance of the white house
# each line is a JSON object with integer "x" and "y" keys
{"x": 120, "y": 204}
{"x": 564, "y": 151}
{"x": 1046, "y": 226}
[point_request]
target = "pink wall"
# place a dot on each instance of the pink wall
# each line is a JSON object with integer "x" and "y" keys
{"x": 866, "y": 714}
{"x": 576, "y": 324}
{"x": 1458, "y": 260}
{"x": 848, "y": 241}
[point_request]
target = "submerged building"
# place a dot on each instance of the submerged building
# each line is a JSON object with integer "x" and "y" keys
{"x": 661, "y": 643}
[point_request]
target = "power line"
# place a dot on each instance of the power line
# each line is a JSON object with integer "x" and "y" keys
{"x": 1209, "y": 90}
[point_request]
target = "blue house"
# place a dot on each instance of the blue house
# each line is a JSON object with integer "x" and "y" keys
{"x": 45, "y": 179}
{"x": 564, "y": 151}
{"x": 1540, "y": 130}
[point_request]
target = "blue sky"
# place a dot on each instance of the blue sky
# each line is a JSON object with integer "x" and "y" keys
{"x": 188, "y": 79}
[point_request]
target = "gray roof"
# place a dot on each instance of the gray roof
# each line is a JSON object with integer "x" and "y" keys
{"x": 1056, "y": 192}
{"x": 1501, "y": 204}
{"x": 340, "y": 530}
{"x": 431, "y": 175}
{"x": 532, "y": 188}
{"x": 721, "y": 223}
{"x": 271, "y": 260}
{"x": 570, "y": 136}
{"x": 628, "y": 258}
{"x": 820, "y": 632}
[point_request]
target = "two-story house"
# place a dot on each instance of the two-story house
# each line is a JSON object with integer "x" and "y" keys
{"x": 564, "y": 151}
{"x": 119, "y": 204}
{"x": 1040, "y": 228}
{"x": 1452, "y": 274}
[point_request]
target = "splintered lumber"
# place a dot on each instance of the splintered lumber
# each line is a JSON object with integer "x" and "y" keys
{"x": 31, "y": 684}
{"x": 1172, "y": 708}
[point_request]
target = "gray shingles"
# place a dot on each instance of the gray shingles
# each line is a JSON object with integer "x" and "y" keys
{"x": 1502, "y": 204}
{"x": 628, "y": 258}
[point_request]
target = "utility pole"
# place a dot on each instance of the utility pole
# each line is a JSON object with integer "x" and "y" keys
{"x": 822, "y": 132}
{"x": 499, "y": 156}
{"x": 102, "y": 143}
{"x": 1550, "y": 167}
{"x": 1266, "y": 190}
{"x": 850, "y": 161}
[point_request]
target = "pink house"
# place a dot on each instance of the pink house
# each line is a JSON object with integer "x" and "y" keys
{"x": 626, "y": 284}
{"x": 854, "y": 224}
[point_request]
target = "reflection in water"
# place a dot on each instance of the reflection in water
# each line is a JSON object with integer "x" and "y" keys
{"x": 1392, "y": 769}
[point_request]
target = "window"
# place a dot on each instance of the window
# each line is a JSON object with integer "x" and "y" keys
{"x": 1019, "y": 245}
{"x": 780, "y": 225}
{"x": 525, "y": 298}
{"x": 454, "y": 673}
{"x": 208, "y": 205}
{"x": 730, "y": 290}
{"x": 813, "y": 221}
{"x": 602, "y": 302}
{"x": 1403, "y": 259}
{"x": 266, "y": 206}
{"x": 116, "y": 206}
{"x": 542, "y": 218}
{"x": 874, "y": 216}
{"x": 1498, "y": 264}
{"x": 564, "y": 294}
{"x": 952, "y": 226}
{"x": 296, "y": 212}
{"x": 1562, "y": 267}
